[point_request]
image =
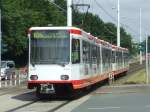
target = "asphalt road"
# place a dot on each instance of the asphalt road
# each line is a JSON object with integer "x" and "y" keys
{"x": 124, "y": 98}
{"x": 134, "y": 98}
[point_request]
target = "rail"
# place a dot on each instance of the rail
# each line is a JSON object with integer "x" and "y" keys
{"x": 133, "y": 67}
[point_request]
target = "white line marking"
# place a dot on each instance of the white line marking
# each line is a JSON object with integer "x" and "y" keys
{"x": 102, "y": 108}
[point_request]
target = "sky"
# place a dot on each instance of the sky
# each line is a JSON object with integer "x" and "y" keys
{"x": 129, "y": 14}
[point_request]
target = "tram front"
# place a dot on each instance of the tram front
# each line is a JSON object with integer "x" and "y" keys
{"x": 49, "y": 58}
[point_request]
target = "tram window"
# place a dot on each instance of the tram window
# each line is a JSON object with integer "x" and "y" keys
{"x": 50, "y": 47}
{"x": 94, "y": 53}
{"x": 126, "y": 57}
{"x": 113, "y": 56}
{"x": 86, "y": 52}
{"x": 75, "y": 51}
{"x": 120, "y": 57}
{"x": 106, "y": 57}
{"x": 98, "y": 55}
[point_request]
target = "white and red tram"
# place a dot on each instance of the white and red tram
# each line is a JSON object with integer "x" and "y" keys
{"x": 68, "y": 58}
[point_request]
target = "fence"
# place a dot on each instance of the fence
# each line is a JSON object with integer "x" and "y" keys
{"x": 17, "y": 79}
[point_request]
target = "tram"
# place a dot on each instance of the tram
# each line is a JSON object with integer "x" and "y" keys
{"x": 64, "y": 59}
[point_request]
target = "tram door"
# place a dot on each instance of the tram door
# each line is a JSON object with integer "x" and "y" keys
{"x": 75, "y": 58}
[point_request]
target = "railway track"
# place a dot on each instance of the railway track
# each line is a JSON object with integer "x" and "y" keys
{"x": 29, "y": 106}
{"x": 133, "y": 67}
{"x": 24, "y": 100}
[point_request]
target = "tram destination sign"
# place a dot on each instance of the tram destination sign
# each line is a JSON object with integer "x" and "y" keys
{"x": 50, "y": 34}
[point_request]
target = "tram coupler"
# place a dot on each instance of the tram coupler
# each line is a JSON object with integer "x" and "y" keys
{"x": 47, "y": 88}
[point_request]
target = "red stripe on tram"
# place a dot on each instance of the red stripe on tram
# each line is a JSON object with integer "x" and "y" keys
{"x": 74, "y": 31}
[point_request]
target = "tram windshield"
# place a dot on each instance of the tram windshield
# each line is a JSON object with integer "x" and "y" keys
{"x": 50, "y": 47}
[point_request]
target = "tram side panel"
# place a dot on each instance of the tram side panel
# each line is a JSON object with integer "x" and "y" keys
{"x": 106, "y": 61}
{"x": 76, "y": 67}
{"x": 93, "y": 65}
{"x": 88, "y": 68}
{"x": 126, "y": 60}
{"x": 120, "y": 64}
{"x": 114, "y": 58}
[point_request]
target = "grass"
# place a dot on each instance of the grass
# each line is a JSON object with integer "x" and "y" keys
{"x": 137, "y": 78}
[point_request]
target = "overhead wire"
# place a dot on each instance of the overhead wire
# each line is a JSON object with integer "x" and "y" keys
{"x": 110, "y": 3}
{"x": 99, "y": 5}
{"x": 108, "y": 15}
{"x": 106, "y": 27}
{"x": 113, "y": 18}
{"x": 51, "y": 2}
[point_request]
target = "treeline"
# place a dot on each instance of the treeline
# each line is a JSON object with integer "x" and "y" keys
{"x": 142, "y": 46}
{"x": 19, "y": 15}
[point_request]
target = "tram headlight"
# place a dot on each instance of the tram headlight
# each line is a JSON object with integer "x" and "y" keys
{"x": 64, "y": 77}
{"x": 34, "y": 77}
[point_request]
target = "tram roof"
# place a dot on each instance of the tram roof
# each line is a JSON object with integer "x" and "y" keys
{"x": 114, "y": 47}
{"x": 74, "y": 28}
{"x": 54, "y": 28}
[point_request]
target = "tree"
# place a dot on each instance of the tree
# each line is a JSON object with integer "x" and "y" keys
{"x": 18, "y": 16}
{"x": 110, "y": 33}
{"x": 142, "y": 46}
{"x": 92, "y": 24}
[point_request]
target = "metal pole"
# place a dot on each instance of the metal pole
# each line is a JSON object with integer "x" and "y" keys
{"x": 0, "y": 42}
{"x": 69, "y": 12}
{"x": 118, "y": 26}
{"x": 140, "y": 37}
{"x": 147, "y": 80}
{"x": 0, "y": 49}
